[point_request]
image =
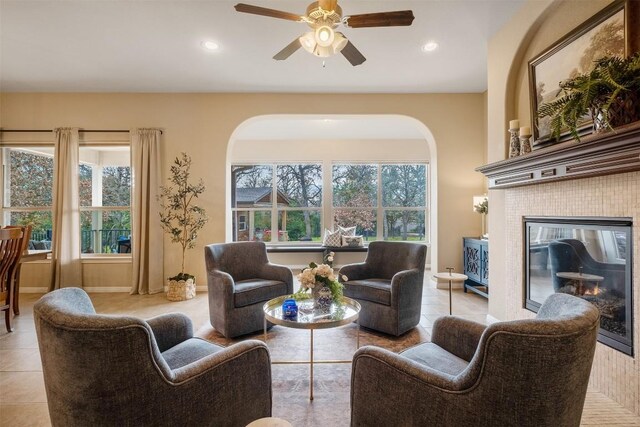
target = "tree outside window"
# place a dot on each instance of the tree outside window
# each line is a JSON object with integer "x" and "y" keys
{"x": 383, "y": 201}
{"x": 404, "y": 186}
{"x": 28, "y": 197}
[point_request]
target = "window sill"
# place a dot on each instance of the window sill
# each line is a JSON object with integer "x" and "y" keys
{"x": 106, "y": 259}
{"x": 312, "y": 248}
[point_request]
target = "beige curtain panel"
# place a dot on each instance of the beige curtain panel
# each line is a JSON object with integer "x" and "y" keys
{"x": 66, "y": 267}
{"x": 146, "y": 232}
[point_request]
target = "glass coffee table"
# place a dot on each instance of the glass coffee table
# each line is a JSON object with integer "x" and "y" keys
{"x": 340, "y": 313}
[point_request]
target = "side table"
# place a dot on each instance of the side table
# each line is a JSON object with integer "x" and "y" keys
{"x": 451, "y": 277}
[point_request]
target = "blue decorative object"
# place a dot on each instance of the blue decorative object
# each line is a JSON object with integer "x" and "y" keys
{"x": 289, "y": 309}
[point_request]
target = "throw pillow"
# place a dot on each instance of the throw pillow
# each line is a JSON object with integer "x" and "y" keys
{"x": 353, "y": 241}
{"x": 332, "y": 238}
{"x": 347, "y": 231}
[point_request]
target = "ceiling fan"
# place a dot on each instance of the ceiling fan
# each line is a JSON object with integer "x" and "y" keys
{"x": 324, "y": 16}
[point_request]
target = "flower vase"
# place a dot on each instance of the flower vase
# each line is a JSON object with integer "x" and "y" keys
{"x": 322, "y": 298}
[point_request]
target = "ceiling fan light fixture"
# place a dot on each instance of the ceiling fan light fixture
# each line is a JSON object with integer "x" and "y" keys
{"x": 324, "y": 36}
{"x": 339, "y": 42}
{"x": 323, "y": 51}
{"x": 308, "y": 41}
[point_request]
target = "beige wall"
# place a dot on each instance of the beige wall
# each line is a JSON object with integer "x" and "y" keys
{"x": 202, "y": 125}
{"x": 539, "y": 24}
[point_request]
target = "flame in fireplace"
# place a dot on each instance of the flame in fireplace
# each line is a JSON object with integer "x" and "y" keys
{"x": 595, "y": 291}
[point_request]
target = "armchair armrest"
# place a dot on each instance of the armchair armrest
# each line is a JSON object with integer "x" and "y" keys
{"x": 170, "y": 329}
{"x": 255, "y": 351}
{"x": 385, "y": 385}
{"x": 357, "y": 271}
{"x": 229, "y": 387}
{"x": 458, "y": 336}
{"x": 278, "y": 272}
{"x": 410, "y": 281}
{"x": 221, "y": 285}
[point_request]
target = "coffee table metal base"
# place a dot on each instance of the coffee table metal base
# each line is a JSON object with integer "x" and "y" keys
{"x": 311, "y": 361}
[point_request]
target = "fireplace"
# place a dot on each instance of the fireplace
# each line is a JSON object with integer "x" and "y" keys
{"x": 590, "y": 258}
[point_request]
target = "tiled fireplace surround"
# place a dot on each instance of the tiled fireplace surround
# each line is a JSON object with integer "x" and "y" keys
{"x": 614, "y": 373}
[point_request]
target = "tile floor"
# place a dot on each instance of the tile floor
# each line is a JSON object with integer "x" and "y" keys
{"x": 22, "y": 394}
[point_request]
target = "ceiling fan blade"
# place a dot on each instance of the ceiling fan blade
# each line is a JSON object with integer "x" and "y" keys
{"x": 401, "y": 18}
{"x": 328, "y": 5}
{"x": 288, "y": 51}
{"x": 352, "y": 54}
{"x": 263, "y": 11}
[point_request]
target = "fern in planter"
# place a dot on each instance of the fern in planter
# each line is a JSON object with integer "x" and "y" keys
{"x": 180, "y": 217}
{"x": 613, "y": 84}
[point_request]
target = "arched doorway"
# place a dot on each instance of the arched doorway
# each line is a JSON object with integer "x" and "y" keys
{"x": 330, "y": 140}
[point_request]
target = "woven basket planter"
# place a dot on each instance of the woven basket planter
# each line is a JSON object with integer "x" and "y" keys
{"x": 181, "y": 290}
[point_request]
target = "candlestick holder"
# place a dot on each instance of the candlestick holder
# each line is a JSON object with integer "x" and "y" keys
{"x": 525, "y": 144}
{"x": 514, "y": 143}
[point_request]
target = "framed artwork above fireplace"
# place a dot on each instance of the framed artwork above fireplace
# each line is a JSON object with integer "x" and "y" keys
{"x": 608, "y": 33}
{"x": 590, "y": 258}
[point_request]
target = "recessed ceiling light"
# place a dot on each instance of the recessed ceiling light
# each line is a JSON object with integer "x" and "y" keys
{"x": 210, "y": 45}
{"x": 430, "y": 46}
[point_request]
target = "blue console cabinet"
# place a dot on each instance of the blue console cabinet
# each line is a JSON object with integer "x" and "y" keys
{"x": 475, "y": 253}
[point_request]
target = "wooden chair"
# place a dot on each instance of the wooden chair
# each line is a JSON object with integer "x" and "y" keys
{"x": 26, "y": 237}
{"x": 10, "y": 251}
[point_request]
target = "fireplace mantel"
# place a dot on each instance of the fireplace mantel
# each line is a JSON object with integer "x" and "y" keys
{"x": 613, "y": 152}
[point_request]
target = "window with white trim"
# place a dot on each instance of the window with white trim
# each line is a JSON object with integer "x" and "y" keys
{"x": 104, "y": 179}
{"x": 27, "y": 191}
{"x": 384, "y": 201}
{"x": 296, "y": 214}
{"x": 105, "y": 199}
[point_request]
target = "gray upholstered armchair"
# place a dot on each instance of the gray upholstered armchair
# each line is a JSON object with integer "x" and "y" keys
{"x": 118, "y": 370}
{"x": 241, "y": 280}
{"x": 521, "y": 373}
{"x": 388, "y": 286}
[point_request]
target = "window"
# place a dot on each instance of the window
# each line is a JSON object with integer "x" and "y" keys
{"x": 297, "y": 212}
{"x": 104, "y": 179}
{"x": 105, "y": 199}
{"x": 404, "y": 194}
{"x": 242, "y": 223}
{"x": 383, "y": 201}
{"x": 355, "y": 198}
{"x": 27, "y": 195}
{"x": 251, "y": 195}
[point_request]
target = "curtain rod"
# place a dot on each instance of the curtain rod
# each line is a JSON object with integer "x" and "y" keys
{"x": 79, "y": 130}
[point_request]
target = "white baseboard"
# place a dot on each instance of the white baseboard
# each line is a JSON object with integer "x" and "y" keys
{"x": 34, "y": 290}
{"x": 491, "y": 319}
{"x": 106, "y": 289}
{"x": 445, "y": 284}
{"x": 198, "y": 288}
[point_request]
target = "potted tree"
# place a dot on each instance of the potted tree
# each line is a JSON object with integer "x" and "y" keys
{"x": 182, "y": 219}
{"x": 609, "y": 94}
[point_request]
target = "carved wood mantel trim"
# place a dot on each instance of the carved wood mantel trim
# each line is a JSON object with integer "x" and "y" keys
{"x": 609, "y": 153}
